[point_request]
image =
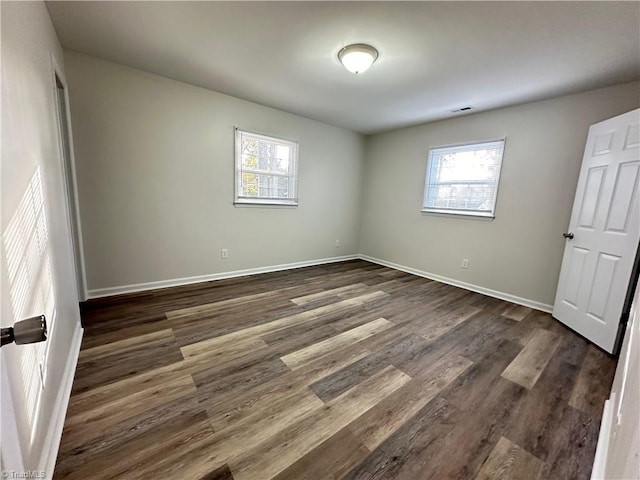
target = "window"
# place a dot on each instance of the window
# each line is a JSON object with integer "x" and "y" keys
{"x": 463, "y": 179}
{"x": 266, "y": 170}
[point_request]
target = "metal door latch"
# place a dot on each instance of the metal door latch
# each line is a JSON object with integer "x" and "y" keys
{"x": 31, "y": 330}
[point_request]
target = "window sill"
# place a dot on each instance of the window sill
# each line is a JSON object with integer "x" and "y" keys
{"x": 487, "y": 217}
{"x": 265, "y": 203}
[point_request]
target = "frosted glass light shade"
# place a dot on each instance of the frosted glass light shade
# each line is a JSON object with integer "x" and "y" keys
{"x": 358, "y": 58}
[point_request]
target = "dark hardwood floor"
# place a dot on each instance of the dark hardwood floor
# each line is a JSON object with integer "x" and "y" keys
{"x": 347, "y": 370}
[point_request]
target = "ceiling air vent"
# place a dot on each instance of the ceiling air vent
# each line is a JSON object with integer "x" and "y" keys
{"x": 462, "y": 109}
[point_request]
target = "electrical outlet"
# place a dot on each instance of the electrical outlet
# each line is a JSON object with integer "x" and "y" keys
{"x": 337, "y": 243}
{"x": 224, "y": 253}
{"x": 465, "y": 263}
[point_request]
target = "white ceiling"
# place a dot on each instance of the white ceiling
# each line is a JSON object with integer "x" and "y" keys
{"x": 434, "y": 56}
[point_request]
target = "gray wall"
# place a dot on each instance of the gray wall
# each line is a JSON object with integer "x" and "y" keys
{"x": 155, "y": 166}
{"x": 154, "y": 160}
{"x": 30, "y": 144}
{"x": 518, "y": 253}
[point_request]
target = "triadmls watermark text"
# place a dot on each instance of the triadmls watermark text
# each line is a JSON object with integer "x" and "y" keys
{"x": 13, "y": 474}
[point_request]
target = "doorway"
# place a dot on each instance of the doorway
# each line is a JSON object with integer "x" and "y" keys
{"x": 69, "y": 172}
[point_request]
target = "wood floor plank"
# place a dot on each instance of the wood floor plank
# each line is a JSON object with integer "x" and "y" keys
{"x": 529, "y": 364}
{"x": 112, "y": 365}
{"x": 198, "y": 310}
{"x": 553, "y": 389}
{"x": 299, "y": 358}
{"x": 330, "y": 460}
{"x": 126, "y": 345}
{"x": 484, "y": 425}
{"x": 469, "y": 391}
{"x": 394, "y": 353}
{"x": 222, "y": 350}
{"x": 95, "y": 338}
{"x": 291, "y": 320}
{"x": 133, "y": 428}
{"x": 327, "y": 293}
{"x": 436, "y": 327}
{"x": 82, "y": 427}
{"x": 122, "y": 460}
{"x": 508, "y": 461}
{"x": 282, "y": 450}
{"x": 112, "y": 392}
{"x": 241, "y": 438}
{"x": 387, "y": 376}
{"x": 516, "y": 312}
{"x": 422, "y": 436}
{"x": 260, "y": 397}
{"x": 593, "y": 383}
{"x": 298, "y": 337}
{"x": 221, "y": 473}
{"x": 393, "y": 412}
{"x": 573, "y": 446}
{"x": 206, "y": 327}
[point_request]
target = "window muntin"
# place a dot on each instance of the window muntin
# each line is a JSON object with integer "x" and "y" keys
{"x": 463, "y": 180}
{"x": 266, "y": 169}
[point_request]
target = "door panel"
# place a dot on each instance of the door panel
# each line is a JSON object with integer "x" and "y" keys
{"x": 632, "y": 139}
{"x": 591, "y": 197}
{"x": 623, "y": 197}
{"x": 576, "y": 267}
{"x": 605, "y": 221}
{"x": 604, "y": 275}
{"x": 602, "y": 143}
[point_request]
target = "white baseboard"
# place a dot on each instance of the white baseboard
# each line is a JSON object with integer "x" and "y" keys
{"x": 602, "y": 449}
{"x": 52, "y": 441}
{"x": 140, "y": 287}
{"x": 467, "y": 286}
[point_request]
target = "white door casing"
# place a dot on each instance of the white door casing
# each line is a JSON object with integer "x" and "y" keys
{"x": 618, "y": 452}
{"x": 605, "y": 223}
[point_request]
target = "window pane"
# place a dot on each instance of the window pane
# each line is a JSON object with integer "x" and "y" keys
{"x": 265, "y": 168}
{"x": 463, "y": 179}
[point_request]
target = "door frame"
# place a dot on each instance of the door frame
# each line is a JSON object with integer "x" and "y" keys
{"x": 68, "y": 165}
{"x": 10, "y": 448}
{"x": 628, "y": 302}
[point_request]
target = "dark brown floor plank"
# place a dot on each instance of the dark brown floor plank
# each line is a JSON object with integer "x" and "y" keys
{"x": 330, "y": 460}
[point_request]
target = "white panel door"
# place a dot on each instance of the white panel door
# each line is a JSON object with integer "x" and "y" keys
{"x": 604, "y": 232}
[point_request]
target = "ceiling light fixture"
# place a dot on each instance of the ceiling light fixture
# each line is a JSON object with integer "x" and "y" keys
{"x": 357, "y": 58}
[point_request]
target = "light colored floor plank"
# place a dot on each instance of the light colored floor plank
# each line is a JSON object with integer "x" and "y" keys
{"x": 508, "y": 461}
{"x": 530, "y": 362}
{"x": 306, "y": 355}
{"x": 516, "y": 312}
{"x": 226, "y": 351}
{"x": 327, "y": 293}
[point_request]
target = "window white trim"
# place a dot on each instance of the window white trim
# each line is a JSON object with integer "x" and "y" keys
{"x": 432, "y": 182}
{"x": 265, "y": 192}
